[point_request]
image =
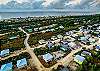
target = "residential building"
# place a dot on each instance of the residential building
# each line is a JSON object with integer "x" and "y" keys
{"x": 6, "y": 67}
{"x": 98, "y": 47}
{"x": 79, "y": 59}
{"x": 21, "y": 63}
{"x": 47, "y": 57}
{"x": 49, "y": 44}
{"x": 14, "y": 37}
{"x": 30, "y": 30}
{"x": 4, "y": 52}
{"x": 61, "y": 27}
{"x": 59, "y": 36}
{"x": 53, "y": 38}
{"x": 64, "y": 48}
{"x": 85, "y": 53}
{"x": 42, "y": 41}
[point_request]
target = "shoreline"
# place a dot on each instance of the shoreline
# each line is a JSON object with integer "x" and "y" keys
{"x": 13, "y": 15}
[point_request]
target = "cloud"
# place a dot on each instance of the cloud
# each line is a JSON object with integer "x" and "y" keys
{"x": 4, "y": 1}
{"x": 72, "y": 2}
{"x": 50, "y": 4}
{"x": 21, "y": 1}
{"x": 46, "y": 3}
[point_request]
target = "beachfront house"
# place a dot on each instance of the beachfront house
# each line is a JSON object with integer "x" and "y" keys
{"x": 47, "y": 57}
{"x": 21, "y": 63}
{"x": 79, "y": 59}
{"x": 6, "y": 67}
{"x": 4, "y": 53}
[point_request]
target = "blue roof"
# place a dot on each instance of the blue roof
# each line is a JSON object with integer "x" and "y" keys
{"x": 21, "y": 63}
{"x": 79, "y": 58}
{"x": 47, "y": 57}
{"x": 98, "y": 47}
{"x": 4, "y": 52}
{"x": 6, "y": 67}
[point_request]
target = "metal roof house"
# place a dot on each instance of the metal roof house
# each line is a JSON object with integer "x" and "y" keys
{"x": 4, "y": 52}
{"x": 79, "y": 59}
{"x": 6, "y": 67}
{"x": 47, "y": 57}
{"x": 21, "y": 63}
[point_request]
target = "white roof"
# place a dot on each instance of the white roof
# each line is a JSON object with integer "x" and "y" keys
{"x": 21, "y": 63}
{"x": 47, "y": 57}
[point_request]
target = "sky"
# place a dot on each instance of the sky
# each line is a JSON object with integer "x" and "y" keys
{"x": 51, "y": 4}
{"x": 6, "y": 1}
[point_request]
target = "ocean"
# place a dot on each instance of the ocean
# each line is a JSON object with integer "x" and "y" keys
{"x": 8, "y": 15}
